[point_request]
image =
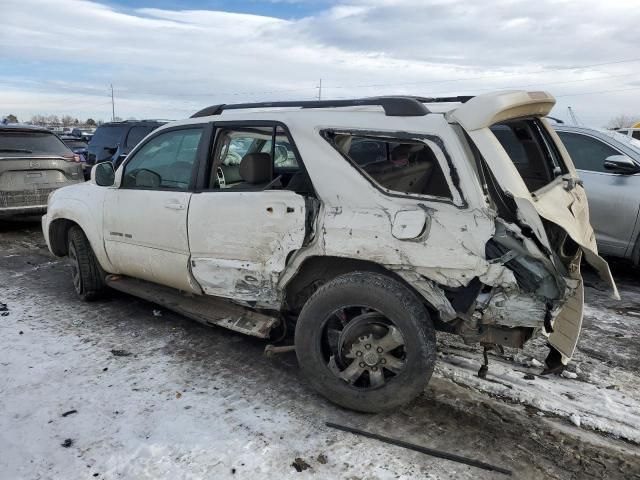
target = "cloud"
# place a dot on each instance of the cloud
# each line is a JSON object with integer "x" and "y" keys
{"x": 169, "y": 63}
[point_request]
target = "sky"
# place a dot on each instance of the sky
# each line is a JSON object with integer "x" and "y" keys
{"x": 169, "y": 58}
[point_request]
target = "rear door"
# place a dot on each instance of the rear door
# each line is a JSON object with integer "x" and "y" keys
{"x": 243, "y": 227}
{"x": 145, "y": 218}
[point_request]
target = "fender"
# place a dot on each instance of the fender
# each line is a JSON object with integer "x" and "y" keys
{"x": 83, "y": 205}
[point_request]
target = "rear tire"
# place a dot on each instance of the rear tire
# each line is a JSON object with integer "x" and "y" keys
{"x": 350, "y": 318}
{"x": 86, "y": 273}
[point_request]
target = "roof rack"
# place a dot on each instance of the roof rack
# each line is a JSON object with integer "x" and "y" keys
{"x": 393, "y": 106}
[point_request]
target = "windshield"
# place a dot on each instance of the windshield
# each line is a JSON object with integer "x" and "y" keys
{"x": 39, "y": 143}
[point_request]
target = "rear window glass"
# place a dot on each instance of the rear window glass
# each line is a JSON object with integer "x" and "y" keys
{"x": 31, "y": 142}
{"x": 75, "y": 143}
{"x": 401, "y": 166}
{"x": 136, "y": 134}
{"x": 108, "y": 135}
{"x": 531, "y": 150}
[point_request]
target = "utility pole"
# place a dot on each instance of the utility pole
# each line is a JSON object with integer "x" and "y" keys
{"x": 319, "y": 87}
{"x": 113, "y": 106}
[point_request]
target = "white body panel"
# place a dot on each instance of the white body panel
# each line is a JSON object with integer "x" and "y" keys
{"x": 240, "y": 242}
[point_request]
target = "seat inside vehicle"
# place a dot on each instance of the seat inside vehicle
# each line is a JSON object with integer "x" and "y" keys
{"x": 256, "y": 171}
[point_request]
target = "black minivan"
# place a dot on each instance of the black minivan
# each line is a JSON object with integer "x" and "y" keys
{"x": 114, "y": 140}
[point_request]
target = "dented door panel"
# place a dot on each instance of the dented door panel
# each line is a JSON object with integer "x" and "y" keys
{"x": 240, "y": 242}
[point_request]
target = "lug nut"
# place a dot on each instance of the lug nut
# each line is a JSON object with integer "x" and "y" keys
{"x": 382, "y": 360}
{"x": 362, "y": 365}
{"x": 375, "y": 369}
{"x": 359, "y": 353}
{"x": 379, "y": 349}
{"x": 367, "y": 346}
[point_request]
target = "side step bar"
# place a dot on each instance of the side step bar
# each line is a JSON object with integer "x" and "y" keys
{"x": 204, "y": 309}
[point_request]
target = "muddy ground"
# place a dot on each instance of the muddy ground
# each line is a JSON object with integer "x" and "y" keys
{"x": 154, "y": 395}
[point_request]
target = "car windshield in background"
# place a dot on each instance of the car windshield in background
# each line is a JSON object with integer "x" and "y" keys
{"x": 622, "y": 138}
{"x": 37, "y": 143}
{"x": 531, "y": 150}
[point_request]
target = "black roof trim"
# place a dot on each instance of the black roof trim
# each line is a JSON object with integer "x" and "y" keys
{"x": 393, "y": 106}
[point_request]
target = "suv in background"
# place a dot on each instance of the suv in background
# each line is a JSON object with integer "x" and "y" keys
{"x": 351, "y": 228}
{"x": 114, "y": 140}
{"x": 33, "y": 163}
{"x": 608, "y": 163}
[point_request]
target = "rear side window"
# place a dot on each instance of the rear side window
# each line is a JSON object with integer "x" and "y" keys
{"x": 136, "y": 134}
{"x": 40, "y": 143}
{"x": 108, "y": 135}
{"x": 396, "y": 165}
{"x": 531, "y": 150}
{"x": 587, "y": 152}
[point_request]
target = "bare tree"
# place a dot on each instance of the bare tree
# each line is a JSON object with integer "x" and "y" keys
{"x": 622, "y": 121}
{"x": 67, "y": 120}
{"x": 38, "y": 120}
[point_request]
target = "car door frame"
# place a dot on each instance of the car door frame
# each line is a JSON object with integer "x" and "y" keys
{"x": 635, "y": 231}
{"x": 183, "y": 279}
{"x": 266, "y": 295}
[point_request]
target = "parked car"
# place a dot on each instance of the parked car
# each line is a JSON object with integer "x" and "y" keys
{"x": 473, "y": 221}
{"x": 79, "y": 147}
{"x": 83, "y": 133}
{"x": 608, "y": 163}
{"x": 33, "y": 163}
{"x": 631, "y": 132}
{"x": 113, "y": 141}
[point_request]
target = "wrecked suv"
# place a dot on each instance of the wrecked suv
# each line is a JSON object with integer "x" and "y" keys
{"x": 357, "y": 227}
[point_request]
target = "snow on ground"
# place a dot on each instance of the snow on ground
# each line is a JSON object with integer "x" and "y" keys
{"x": 158, "y": 396}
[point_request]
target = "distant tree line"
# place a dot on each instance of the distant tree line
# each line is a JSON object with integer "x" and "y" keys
{"x": 64, "y": 121}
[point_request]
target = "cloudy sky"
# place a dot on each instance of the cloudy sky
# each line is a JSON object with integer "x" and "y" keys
{"x": 169, "y": 58}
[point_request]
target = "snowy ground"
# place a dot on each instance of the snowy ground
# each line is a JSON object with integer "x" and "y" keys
{"x": 164, "y": 397}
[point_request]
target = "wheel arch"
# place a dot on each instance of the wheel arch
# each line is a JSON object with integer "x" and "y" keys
{"x": 315, "y": 271}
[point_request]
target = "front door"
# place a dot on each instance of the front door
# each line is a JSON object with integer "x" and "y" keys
{"x": 145, "y": 219}
{"x": 613, "y": 197}
{"x": 249, "y": 219}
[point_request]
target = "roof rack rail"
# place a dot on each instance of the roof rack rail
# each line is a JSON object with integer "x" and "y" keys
{"x": 393, "y": 106}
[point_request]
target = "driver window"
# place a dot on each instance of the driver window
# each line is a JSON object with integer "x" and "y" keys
{"x": 164, "y": 162}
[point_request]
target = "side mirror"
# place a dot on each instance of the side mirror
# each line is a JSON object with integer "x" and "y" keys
{"x": 103, "y": 174}
{"x": 620, "y": 164}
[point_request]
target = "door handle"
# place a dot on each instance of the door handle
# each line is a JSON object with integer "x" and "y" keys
{"x": 174, "y": 205}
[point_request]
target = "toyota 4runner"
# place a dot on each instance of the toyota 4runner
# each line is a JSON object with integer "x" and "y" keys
{"x": 356, "y": 227}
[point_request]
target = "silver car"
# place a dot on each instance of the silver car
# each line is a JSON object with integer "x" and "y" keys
{"x": 33, "y": 163}
{"x": 609, "y": 165}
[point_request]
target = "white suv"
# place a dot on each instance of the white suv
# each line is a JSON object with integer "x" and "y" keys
{"x": 357, "y": 227}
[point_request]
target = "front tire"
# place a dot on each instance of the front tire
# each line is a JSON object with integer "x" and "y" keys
{"x": 86, "y": 273}
{"x": 366, "y": 342}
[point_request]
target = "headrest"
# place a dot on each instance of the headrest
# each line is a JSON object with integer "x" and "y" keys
{"x": 401, "y": 151}
{"x": 256, "y": 167}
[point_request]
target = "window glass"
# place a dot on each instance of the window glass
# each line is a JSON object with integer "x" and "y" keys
{"x": 164, "y": 162}
{"x": 246, "y": 158}
{"x": 587, "y": 152}
{"x": 531, "y": 150}
{"x": 636, "y": 134}
{"x": 108, "y": 136}
{"x": 17, "y": 142}
{"x": 136, "y": 134}
{"x": 398, "y": 165}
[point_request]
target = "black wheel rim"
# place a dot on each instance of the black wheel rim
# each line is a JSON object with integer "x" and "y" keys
{"x": 362, "y": 347}
{"x": 75, "y": 268}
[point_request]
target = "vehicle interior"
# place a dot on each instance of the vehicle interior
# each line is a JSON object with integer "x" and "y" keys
{"x": 398, "y": 165}
{"x": 257, "y": 158}
{"x": 531, "y": 151}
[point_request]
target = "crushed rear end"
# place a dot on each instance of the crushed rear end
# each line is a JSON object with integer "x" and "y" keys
{"x": 542, "y": 228}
